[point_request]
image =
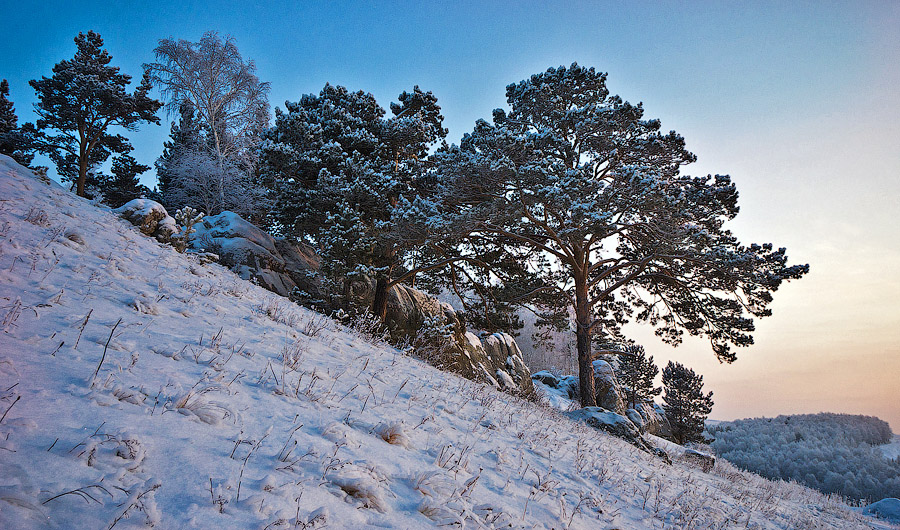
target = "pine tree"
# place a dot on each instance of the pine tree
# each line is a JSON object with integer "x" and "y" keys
{"x": 354, "y": 183}
{"x": 78, "y": 105}
{"x": 124, "y": 183}
{"x": 686, "y": 406}
{"x": 636, "y": 374}
{"x": 14, "y": 141}
{"x": 579, "y": 205}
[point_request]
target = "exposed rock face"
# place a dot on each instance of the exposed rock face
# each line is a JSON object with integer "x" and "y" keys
{"x": 277, "y": 265}
{"x": 506, "y": 356}
{"x": 490, "y": 358}
{"x": 150, "y": 216}
{"x": 615, "y": 424}
{"x": 609, "y": 395}
{"x": 660, "y": 427}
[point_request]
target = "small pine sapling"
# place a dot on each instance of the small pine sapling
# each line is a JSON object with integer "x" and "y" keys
{"x": 188, "y": 217}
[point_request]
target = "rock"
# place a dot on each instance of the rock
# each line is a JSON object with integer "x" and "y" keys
{"x": 612, "y": 423}
{"x": 887, "y": 509}
{"x": 253, "y": 254}
{"x": 661, "y": 453}
{"x": 507, "y": 359}
{"x": 150, "y": 216}
{"x": 704, "y": 461}
{"x": 609, "y": 395}
{"x": 636, "y": 419}
{"x": 494, "y": 359}
{"x": 659, "y": 426}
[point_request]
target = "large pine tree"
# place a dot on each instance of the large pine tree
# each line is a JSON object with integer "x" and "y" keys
{"x": 354, "y": 183}
{"x": 579, "y": 204}
{"x": 79, "y": 104}
{"x": 686, "y": 406}
{"x": 14, "y": 141}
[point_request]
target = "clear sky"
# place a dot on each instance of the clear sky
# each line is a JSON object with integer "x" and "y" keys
{"x": 798, "y": 101}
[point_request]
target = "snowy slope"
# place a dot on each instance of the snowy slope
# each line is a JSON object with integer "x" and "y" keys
{"x": 142, "y": 388}
{"x": 891, "y": 450}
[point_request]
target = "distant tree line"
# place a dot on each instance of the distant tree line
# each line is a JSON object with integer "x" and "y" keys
{"x": 570, "y": 204}
{"x": 833, "y": 453}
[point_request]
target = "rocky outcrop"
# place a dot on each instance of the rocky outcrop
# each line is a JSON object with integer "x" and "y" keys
{"x": 150, "y": 217}
{"x": 492, "y": 358}
{"x": 612, "y": 423}
{"x": 278, "y": 265}
{"x": 606, "y": 386}
{"x": 495, "y": 359}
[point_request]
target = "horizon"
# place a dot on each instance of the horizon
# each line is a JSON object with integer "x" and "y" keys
{"x": 798, "y": 103}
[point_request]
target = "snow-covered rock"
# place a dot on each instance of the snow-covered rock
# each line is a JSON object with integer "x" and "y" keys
{"x": 613, "y": 423}
{"x": 887, "y": 509}
{"x": 150, "y": 216}
{"x": 252, "y": 253}
{"x": 491, "y": 358}
{"x": 609, "y": 394}
{"x": 704, "y": 461}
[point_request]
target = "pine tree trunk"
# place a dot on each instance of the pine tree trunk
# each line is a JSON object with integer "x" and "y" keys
{"x": 379, "y": 305}
{"x": 583, "y": 342}
{"x": 82, "y": 174}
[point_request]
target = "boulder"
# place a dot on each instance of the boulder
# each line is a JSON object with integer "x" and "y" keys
{"x": 612, "y": 423}
{"x": 659, "y": 423}
{"x": 150, "y": 216}
{"x": 277, "y": 265}
{"x": 706, "y": 462}
{"x": 606, "y": 386}
{"x": 565, "y": 387}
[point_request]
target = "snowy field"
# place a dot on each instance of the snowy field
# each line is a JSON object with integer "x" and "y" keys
{"x": 140, "y": 387}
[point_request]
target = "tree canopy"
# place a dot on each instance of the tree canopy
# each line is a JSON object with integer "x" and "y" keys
{"x": 79, "y": 105}
{"x": 580, "y": 203}
{"x": 354, "y": 182}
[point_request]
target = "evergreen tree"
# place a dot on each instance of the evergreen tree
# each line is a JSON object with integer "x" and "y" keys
{"x": 685, "y": 403}
{"x": 354, "y": 183}
{"x": 78, "y": 105}
{"x": 185, "y": 136}
{"x": 14, "y": 141}
{"x": 578, "y": 203}
{"x": 124, "y": 183}
{"x": 636, "y": 374}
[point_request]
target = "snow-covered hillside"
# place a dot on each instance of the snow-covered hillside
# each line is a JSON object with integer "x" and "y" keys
{"x": 141, "y": 387}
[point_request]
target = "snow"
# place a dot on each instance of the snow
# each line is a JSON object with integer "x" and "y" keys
{"x": 140, "y": 387}
{"x": 888, "y": 509}
{"x": 891, "y": 450}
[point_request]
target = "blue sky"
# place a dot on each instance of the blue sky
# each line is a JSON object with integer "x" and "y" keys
{"x": 798, "y": 101}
